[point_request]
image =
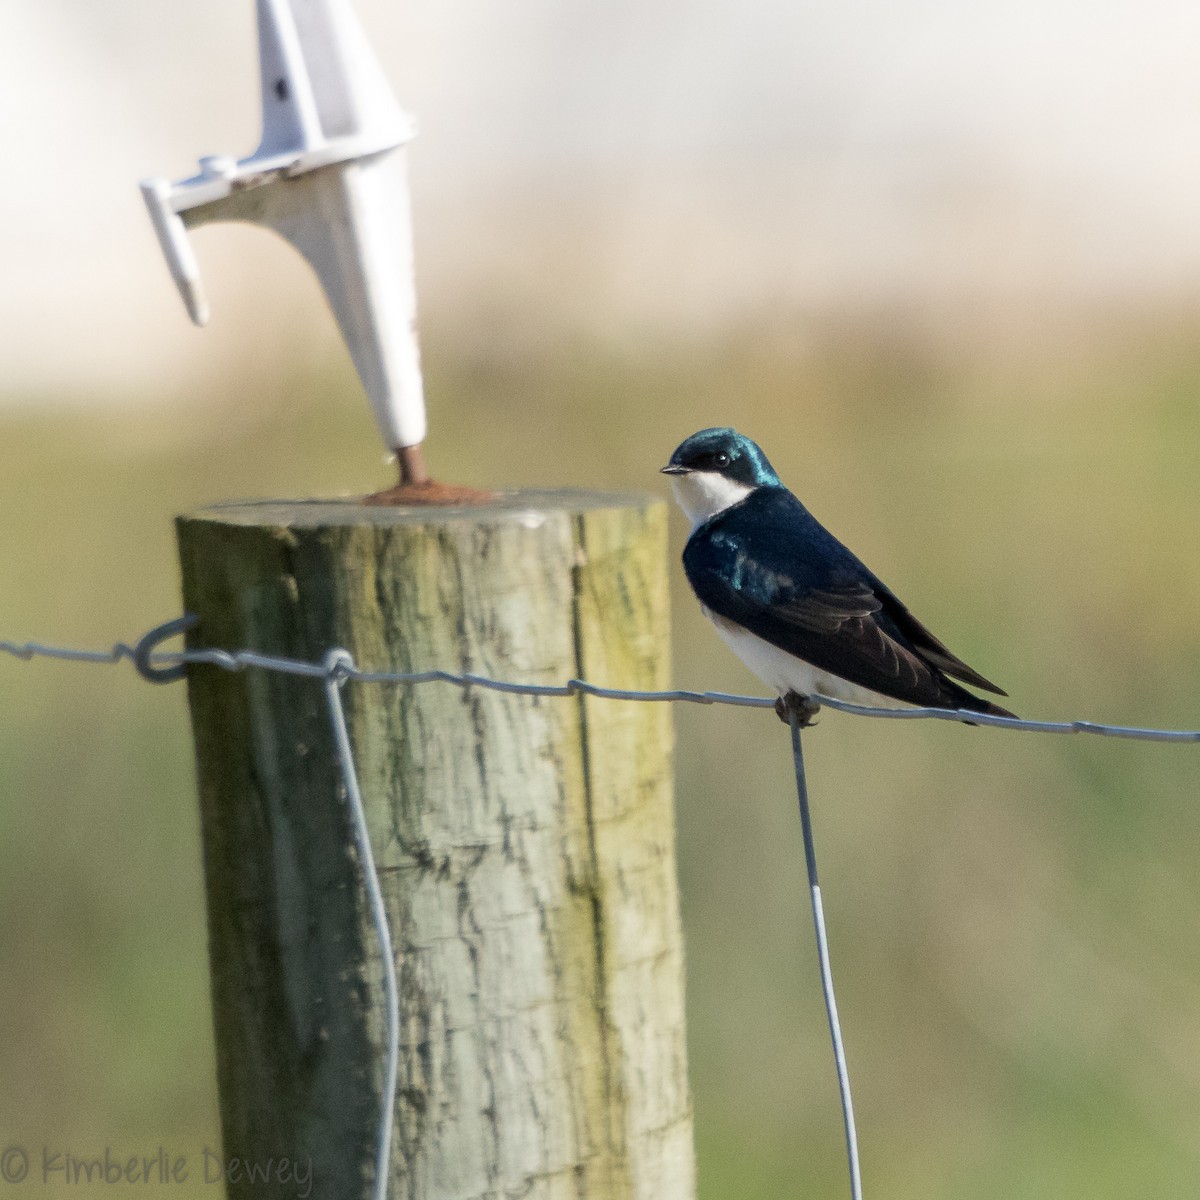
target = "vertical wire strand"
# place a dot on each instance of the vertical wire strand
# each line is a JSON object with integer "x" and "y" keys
{"x": 818, "y": 911}
{"x": 336, "y": 663}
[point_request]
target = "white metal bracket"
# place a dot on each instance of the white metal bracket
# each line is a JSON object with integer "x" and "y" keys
{"x": 329, "y": 176}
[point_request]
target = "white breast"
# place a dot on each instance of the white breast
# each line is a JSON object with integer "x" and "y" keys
{"x": 785, "y": 672}
{"x": 703, "y": 494}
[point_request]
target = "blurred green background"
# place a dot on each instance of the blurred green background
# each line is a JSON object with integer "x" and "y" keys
{"x": 1013, "y": 917}
{"x": 942, "y": 260}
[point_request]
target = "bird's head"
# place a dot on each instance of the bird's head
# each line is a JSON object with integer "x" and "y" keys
{"x": 714, "y": 469}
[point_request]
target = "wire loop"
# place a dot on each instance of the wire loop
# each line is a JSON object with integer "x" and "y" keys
{"x": 339, "y": 665}
{"x": 149, "y": 642}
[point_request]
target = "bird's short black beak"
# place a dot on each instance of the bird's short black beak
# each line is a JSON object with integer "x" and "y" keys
{"x": 675, "y": 469}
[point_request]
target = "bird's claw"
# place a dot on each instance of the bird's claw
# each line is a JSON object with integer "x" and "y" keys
{"x": 805, "y": 708}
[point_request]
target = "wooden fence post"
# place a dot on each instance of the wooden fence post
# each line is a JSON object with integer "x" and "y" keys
{"x": 525, "y": 848}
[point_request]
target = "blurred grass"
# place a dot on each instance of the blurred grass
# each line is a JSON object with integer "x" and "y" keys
{"x": 1013, "y": 918}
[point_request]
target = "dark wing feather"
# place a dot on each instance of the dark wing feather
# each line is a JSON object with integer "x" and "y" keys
{"x": 769, "y": 566}
{"x": 817, "y": 610}
{"x": 930, "y": 647}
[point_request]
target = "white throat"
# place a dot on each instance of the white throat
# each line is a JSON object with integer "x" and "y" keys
{"x": 703, "y": 494}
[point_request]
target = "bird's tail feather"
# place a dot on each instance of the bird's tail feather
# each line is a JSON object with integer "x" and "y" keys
{"x": 972, "y": 703}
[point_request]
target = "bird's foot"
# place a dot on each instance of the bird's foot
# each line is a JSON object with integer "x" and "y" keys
{"x": 805, "y": 708}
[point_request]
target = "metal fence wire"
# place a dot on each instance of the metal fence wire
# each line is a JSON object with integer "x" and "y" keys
{"x": 337, "y": 668}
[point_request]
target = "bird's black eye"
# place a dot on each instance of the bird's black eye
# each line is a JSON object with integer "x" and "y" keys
{"x": 720, "y": 460}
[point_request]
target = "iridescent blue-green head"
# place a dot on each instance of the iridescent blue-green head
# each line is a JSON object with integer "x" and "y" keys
{"x": 714, "y": 469}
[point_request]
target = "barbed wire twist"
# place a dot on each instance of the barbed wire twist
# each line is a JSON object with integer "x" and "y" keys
{"x": 241, "y": 660}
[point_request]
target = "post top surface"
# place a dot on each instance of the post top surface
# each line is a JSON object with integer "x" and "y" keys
{"x": 515, "y": 506}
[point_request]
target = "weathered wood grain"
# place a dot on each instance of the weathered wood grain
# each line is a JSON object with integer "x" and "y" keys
{"x": 525, "y": 848}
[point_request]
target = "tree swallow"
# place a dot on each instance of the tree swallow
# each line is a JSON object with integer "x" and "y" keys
{"x": 802, "y": 612}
